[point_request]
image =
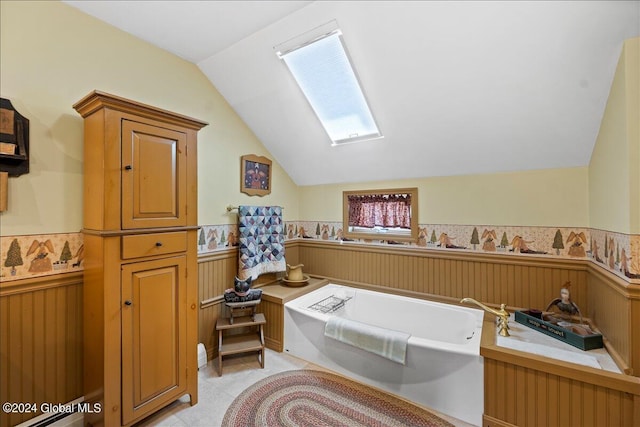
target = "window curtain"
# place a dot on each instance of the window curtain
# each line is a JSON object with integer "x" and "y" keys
{"x": 392, "y": 210}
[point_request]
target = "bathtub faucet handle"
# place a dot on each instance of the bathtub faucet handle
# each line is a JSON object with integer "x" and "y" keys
{"x": 502, "y": 315}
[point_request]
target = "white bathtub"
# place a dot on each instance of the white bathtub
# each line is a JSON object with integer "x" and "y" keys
{"x": 443, "y": 368}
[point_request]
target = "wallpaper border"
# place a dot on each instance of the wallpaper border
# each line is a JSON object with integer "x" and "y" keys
{"x": 28, "y": 256}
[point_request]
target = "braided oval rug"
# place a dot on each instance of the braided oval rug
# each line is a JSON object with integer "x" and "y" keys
{"x": 315, "y": 398}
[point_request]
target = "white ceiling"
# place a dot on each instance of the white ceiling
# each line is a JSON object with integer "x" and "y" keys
{"x": 456, "y": 87}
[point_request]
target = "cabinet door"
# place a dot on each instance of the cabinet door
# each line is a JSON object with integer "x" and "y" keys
{"x": 154, "y": 176}
{"x": 154, "y": 370}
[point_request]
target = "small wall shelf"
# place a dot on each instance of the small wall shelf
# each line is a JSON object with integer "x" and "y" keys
{"x": 14, "y": 133}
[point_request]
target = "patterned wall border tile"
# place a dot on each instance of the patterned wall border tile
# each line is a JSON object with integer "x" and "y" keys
{"x": 216, "y": 237}
{"x": 41, "y": 255}
{"x": 622, "y": 258}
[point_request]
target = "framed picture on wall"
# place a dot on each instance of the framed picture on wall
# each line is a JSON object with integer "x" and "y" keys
{"x": 255, "y": 177}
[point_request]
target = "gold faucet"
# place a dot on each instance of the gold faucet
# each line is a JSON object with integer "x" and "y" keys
{"x": 502, "y": 314}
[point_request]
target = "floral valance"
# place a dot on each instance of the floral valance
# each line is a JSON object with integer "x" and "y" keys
{"x": 393, "y": 210}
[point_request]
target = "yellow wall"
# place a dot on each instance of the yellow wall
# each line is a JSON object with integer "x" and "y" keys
{"x": 632, "y": 53}
{"x": 51, "y": 55}
{"x": 550, "y": 197}
{"x": 614, "y": 170}
{"x": 605, "y": 195}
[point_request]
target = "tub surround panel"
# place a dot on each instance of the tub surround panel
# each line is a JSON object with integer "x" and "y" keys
{"x": 273, "y": 330}
{"x": 527, "y": 397}
{"x": 274, "y": 296}
{"x": 529, "y": 391}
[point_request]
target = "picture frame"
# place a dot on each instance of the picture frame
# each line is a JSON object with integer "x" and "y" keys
{"x": 255, "y": 175}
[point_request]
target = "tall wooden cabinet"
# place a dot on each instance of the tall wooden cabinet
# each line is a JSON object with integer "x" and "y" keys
{"x": 140, "y": 266}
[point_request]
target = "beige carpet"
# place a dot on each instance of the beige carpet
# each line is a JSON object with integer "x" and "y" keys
{"x": 316, "y": 398}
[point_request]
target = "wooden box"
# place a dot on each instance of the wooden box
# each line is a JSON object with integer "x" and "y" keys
{"x": 569, "y": 336}
{"x": 7, "y": 148}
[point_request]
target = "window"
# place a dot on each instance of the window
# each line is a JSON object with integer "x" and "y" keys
{"x": 380, "y": 211}
{"x": 381, "y": 214}
{"x": 322, "y": 69}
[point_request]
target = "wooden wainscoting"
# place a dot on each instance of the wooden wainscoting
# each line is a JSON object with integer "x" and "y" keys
{"x": 216, "y": 272}
{"x": 615, "y": 308}
{"x": 525, "y": 390}
{"x": 274, "y": 329}
{"x": 274, "y": 297}
{"x": 41, "y": 318}
{"x": 519, "y": 395}
{"x": 518, "y": 281}
{"x": 40, "y": 342}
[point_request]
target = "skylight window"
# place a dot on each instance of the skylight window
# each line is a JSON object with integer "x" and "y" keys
{"x": 322, "y": 69}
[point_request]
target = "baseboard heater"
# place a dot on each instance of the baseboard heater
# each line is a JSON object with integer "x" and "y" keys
{"x": 49, "y": 418}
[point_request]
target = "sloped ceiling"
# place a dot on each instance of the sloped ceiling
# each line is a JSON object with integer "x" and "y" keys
{"x": 456, "y": 87}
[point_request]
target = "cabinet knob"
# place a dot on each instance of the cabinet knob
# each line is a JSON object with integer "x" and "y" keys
{"x": 128, "y": 167}
{"x": 158, "y": 244}
{"x": 127, "y": 302}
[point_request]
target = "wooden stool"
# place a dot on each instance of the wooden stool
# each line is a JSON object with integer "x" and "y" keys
{"x": 244, "y": 343}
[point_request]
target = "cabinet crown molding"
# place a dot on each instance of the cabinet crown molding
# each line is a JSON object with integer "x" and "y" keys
{"x": 98, "y": 99}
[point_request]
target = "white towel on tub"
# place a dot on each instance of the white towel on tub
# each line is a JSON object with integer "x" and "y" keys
{"x": 383, "y": 342}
